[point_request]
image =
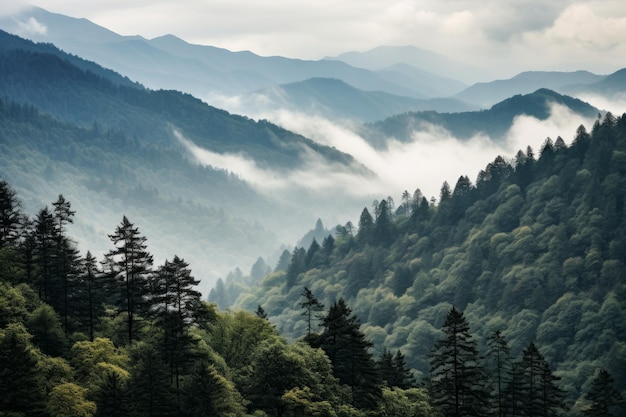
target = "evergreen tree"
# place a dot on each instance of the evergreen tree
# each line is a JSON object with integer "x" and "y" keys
{"x": 603, "y": 399}
{"x": 498, "y": 353}
{"x": 366, "y": 227}
{"x": 456, "y": 374}
{"x": 532, "y": 390}
{"x": 394, "y": 371}
{"x": 176, "y": 304}
{"x": 149, "y": 387}
{"x": 348, "y": 351}
{"x": 10, "y": 215}
{"x": 130, "y": 266}
{"x": 296, "y": 266}
{"x": 21, "y": 382}
{"x": 45, "y": 254}
{"x": 90, "y": 296}
{"x": 383, "y": 228}
{"x": 283, "y": 261}
{"x": 311, "y": 307}
{"x": 67, "y": 254}
{"x": 405, "y": 378}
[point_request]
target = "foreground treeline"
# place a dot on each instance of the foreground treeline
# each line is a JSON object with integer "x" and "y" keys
{"x": 123, "y": 337}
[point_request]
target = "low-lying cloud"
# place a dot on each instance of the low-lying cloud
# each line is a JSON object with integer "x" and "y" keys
{"x": 432, "y": 156}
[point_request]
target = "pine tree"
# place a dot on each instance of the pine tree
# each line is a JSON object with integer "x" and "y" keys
{"x": 130, "y": 266}
{"x": 45, "y": 254}
{"x": 603, "y": 399}
{"x": 10, "y": 215}
{"x": 348, "y": 351}
{"x": 311, "y": 307}
{"x": 498, "y": 352}
{"x": 21, "y": 383}
{"x": 456, "y": 374}
{"x": 532, "y": 389}
{"x": 405, "y": 378}
{"x": 90, "y": 296}
{"x": 176, "y": 305}
{"x": 67, "y": 254}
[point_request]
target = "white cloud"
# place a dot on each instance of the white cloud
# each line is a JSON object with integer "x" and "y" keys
{"x": 31, "y": 27}
{"x": 432, "y": 157}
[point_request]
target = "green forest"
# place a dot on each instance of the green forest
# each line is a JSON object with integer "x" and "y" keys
{"x": 509, "y": 296}
{"x": 505, "y": 296}
{"x": 534, "y": 250}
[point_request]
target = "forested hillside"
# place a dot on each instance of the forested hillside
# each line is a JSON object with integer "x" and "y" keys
{"x": 534, "y": 249}
{"x": 122, "y": 336}
{"x": 110, "y": 145}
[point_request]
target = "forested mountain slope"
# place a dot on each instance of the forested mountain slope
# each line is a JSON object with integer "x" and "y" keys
{"x": 32, "y": 75}
{"x": 535, "y": 248}
{"x": 114, "y": 146}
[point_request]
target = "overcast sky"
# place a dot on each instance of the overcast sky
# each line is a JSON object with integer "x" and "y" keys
{"x": 505, "y": 36}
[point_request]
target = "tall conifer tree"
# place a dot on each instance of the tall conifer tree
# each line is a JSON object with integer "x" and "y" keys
{"x": 130, "y": 265}
{"x": 456, "y": 374}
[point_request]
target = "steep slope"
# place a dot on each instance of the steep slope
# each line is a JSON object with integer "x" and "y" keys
{"x": 487, "y": 94}
{"x": 113, "y": 146}
{"x": 53, "y": 84}
{"x": 494, "y": 122}
{"x": 534, "y": 249}
{"x": 334, "y": 99}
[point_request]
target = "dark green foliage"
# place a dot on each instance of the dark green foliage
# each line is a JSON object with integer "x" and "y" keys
{"x": 394, "y": 371}
{"x": 602, "y": 398}
{"x": 130, "y": 265}
{"x": 21, "y": 383}
{"x": 498, "y": 356}
{"x": 457, "y": 378}
{"x": 532, "y": 389}
{"x": 10, "y": 214}
{"x": 534, "y": 248}
{"x": 209, "y": 394}
{"x": 348, "y": 351}
{"x": 149, "y": 389}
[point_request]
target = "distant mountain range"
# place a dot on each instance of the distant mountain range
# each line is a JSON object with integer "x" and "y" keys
{"x": 385, "y": 58}
{"x": 170, "y": 62}
{"x": 488, "y": 93}
{"x": 334, "y": 99}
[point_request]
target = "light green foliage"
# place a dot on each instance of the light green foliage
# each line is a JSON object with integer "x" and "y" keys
{"x": 234, "y": 336}
{"x": 93, "y": 361}
{"x": 68, "y": 400}
{"x": 412, "y": 402}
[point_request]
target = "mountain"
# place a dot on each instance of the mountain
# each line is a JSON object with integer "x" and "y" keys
{"x": 113, "y": 146}
{"x": 427, "y": 83}
{"x": 169, "y": 62}
{"x": 494, "y": 122}
{"x": 488, "y": 93}
{"x": 335, "y": 100}
{"x": 611, "y": 86}
{"x": 534, "y": 249}
{"x": 383, "y": 57}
